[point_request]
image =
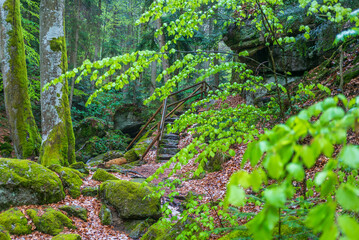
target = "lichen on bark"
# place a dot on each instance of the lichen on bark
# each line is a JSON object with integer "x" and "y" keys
{"x": 24, "y": 132}
{"x": 58, "y": 145}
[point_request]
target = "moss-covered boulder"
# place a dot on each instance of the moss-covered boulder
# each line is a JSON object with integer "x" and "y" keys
{"x": 131, "y": 155}
{"x": 101, "y": 175}
{"x": 71, "y": 179}
{"x": 67, "y": 237}
{"x": 128, "y": 198}
{"x": 88, "y": 128}
{"x": 89, "y": 191}
{"x": 95, "y": 160}
{"x": 24, "y": 182}
{"x": 4, "y": 234}
{"x": 140, "y": 229}
{"x": 215, "y": 163}
{"x": 105, "y": 215}
{"x": 112, "y": 155}
{"x": 91, "y": 148}
{"x": 51, "y": 222}
{"x": 157, "y": 231}
{"x": 14, "y": 221}
{"x": 142, "y": 144}
{"x": 75, "y": 211}
{"x": 81, "y": 167}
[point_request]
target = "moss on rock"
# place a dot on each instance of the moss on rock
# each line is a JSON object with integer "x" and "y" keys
{"x": 75, "y": 211}
{"x": 24, "y": 182}
{"x": 88, "y": 128}
{"x": 4, "y": 234}
{"x": 14, "y": 221}
{"x": 105, "y": 215}
{"x": 140, "y": 229}
{"x": 101, "y": 175}
{"x": 112, "y": 155}
{"x": 131, "y": 155}
{"x": 130, "y": 199}
{"x": 157, "y": 231}
{"x": 81, "y": 167}
{"x": 51, "y": 222}
{"x": 67, "y": 237}
{"x": 89, "y": 191}
{"x": 71, "y": 179}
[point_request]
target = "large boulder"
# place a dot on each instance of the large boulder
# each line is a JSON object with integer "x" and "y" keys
{"x": 14, "y": 221}
{"x": 128, "y": 119}
{"x": 71, "y": 179}
{"x": 102, "y": 176}
{"x": 75, "y": 211}
{"x": 24, "y": 182}
{"x": 51, "y": 221}
{"x": 88, "y": 128}
{"x": 128, "y": 198}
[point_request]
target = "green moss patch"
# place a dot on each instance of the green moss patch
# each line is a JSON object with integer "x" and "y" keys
{"x": 67, "y": 237}
{"x": 51, "y": 222}
{"x": 128, "y": 198}
{"x": 157, "y": 231}
{"x": 70, "y": 178}
{"x": 14, "y": 221}
{"x": 76, "y": 211}
{"x": 4, "y": 234}
{"x": 81, "y": 167}
{"x": 89, "y": 191}
{"x": 24, "y": 182}
{"x": 112, "y": 155}
{"x": 101, "y": 175}
{"x": 105, "y": 215}
{"x": 131, "y": 155}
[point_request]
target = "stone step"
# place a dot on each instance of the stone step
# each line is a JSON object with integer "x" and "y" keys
{"x": 169, "y": 142}
{"x": 164, "y": 157}
{"x": 169, "y": 146}
{"x": 171, "y": 136}
{"x": 171, "y": 120}
{"x": 169, "y": 151}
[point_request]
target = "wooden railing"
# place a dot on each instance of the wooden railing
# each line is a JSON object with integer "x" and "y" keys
{"x": 202, "y": 89}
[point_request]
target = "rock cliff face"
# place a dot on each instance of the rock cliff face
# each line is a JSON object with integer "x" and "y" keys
{"x": 298, "y": 57}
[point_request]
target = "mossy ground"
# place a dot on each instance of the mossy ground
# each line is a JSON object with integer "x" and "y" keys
{"x": 14, "y": 221}
{"x": 70, "y": 178}
{"x": 51, "y": 222}
{"x": 101, "y": 175}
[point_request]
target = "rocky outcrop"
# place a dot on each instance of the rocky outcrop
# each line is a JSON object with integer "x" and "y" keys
{"x": 24, "y": 182}
{"x": 297, "y": 57}
{"x": 88, "y": 128}
{"x": 128, "y": 119}
{"x": 128, "y": 199}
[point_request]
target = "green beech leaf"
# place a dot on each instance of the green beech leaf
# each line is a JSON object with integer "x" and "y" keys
{"x": 349, "y": 226}
{"x": 348, "y": 197}
{"x": 350, "y": 156}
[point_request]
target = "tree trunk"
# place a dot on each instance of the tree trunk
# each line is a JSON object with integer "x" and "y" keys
{"x": 341, "y": 85}
{"x": 216, "y": 63}
{"x": 74, "y": 53}
{"x": 58, "y": 144}
{"x": 162, "y": 42}
{"x": 24, "y": 132}
{"x": 153, "y": 77}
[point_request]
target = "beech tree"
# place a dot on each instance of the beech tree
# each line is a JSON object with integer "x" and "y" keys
{"x": 24, "y": 132}
{"x": 58, "y": 145}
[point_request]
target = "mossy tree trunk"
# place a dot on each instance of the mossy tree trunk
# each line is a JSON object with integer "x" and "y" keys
{"x": 24, "y": 132}
{"x": 58, "y": 144}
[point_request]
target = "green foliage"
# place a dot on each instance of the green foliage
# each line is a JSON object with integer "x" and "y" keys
{"x": 280, "y": 154}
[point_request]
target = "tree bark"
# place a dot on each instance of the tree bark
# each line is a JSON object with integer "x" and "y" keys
{"x": 24, "y": 132}
{"x": 216, "y": 63}
{"x": 74, "y": 53}
{"x": 162, "y": 42}
{"x": 58, "y": 144}
{"x": 153, "y": 77}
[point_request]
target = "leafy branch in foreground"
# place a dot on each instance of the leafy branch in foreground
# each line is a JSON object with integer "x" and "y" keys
{"x": 283, "y": 155}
